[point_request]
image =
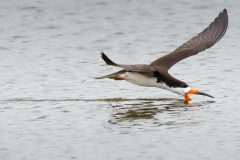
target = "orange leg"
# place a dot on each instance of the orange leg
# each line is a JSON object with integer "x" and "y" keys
{"x": 187, "y": 98}
{"x": 118, "y": 78}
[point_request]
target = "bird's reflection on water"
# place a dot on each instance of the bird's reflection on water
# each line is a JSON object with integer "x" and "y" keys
{"x": 157, "y": 111}
{"x": 161, "y": 111}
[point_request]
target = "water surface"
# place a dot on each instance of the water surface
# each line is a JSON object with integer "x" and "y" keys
{"x": 52, "y": 108}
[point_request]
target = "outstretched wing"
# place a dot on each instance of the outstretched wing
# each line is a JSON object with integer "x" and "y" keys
{"x": 143, "y": 68}
{"x": 204, "y": 40}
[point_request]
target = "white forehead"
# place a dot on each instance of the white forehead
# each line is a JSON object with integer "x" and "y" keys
{"x": 187, "y": 89}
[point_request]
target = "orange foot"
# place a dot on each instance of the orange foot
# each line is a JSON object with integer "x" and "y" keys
{"x": 118, "y": 78}
{"x": 187, "y": 98}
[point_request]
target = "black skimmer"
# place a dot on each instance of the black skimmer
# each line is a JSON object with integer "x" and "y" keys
{"x": 156, "y": 73}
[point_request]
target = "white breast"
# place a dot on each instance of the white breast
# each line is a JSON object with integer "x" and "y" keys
{"x": 140, "y": 79}
{"x": 148, "y": 81}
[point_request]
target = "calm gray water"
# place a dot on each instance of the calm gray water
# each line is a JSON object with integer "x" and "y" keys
{"x": 52, "y": 108}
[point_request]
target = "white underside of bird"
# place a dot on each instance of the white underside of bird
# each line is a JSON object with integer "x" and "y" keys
{"x": 142, "y": 80}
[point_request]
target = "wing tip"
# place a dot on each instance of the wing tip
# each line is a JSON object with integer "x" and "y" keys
{"x": 102, "y": 54}
{"x": 224, "y": 18}
{"x": 225, "y": 13}
{"x": 107, "y": 60}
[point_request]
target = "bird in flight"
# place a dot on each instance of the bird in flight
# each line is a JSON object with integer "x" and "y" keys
{"x": 156, "y": 73}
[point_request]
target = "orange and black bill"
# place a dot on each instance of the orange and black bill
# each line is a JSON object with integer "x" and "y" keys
{"x": 204, "y": 94}
{"x": 193, "y": 91}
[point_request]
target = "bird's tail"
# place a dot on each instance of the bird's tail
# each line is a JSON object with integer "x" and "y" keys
{"x": 115, "y": 75}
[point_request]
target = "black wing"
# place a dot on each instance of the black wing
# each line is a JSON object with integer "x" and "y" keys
{"x": 204, "y": 40}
